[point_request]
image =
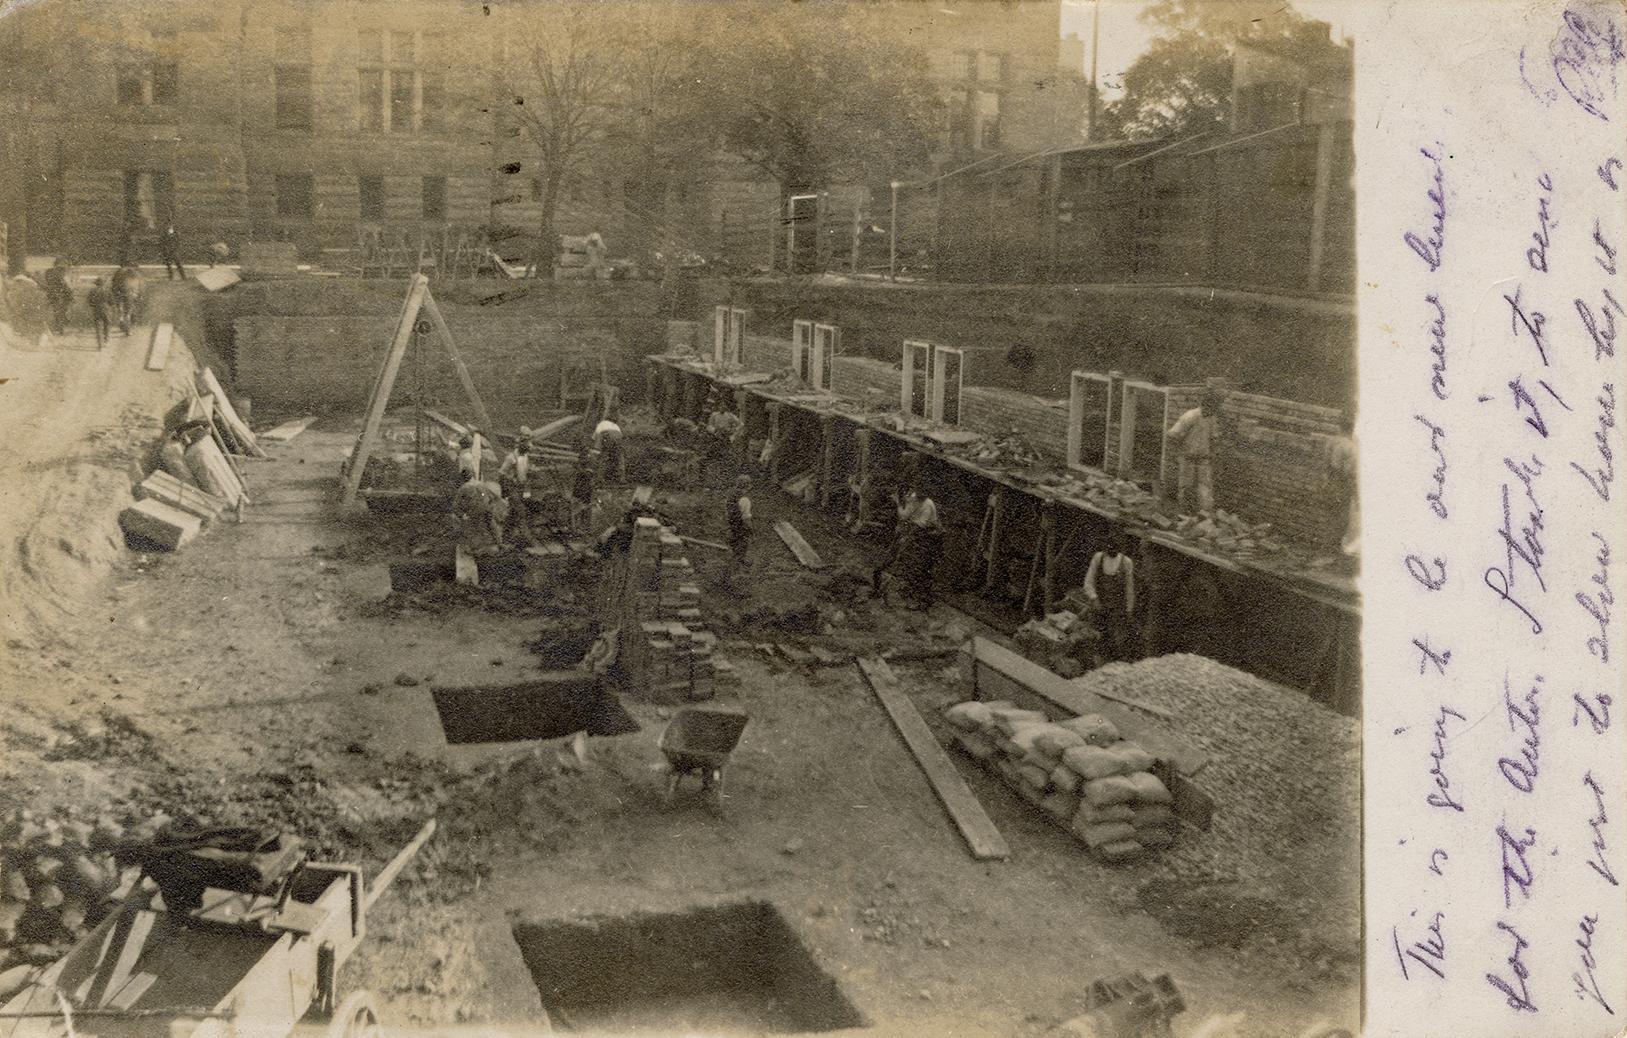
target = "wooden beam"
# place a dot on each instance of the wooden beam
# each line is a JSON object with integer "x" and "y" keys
{"x": 379, "y": 399}
{"x": 224, "y": 410}
{"x": 158, "y": 354}
{"x": 799, "y": 547}
{"x": 457, "y": 363}
{"x": 997, "y": 508}
{"x": 288, "y": 430}
{"x": 451, "y": 424}
{"x": 981, "y": 836}
{"x": 827, "y": 457}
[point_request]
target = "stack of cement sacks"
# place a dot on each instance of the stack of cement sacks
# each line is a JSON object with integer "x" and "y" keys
{"x": 1079, "y": 772}
{"x": 667, "y": 649}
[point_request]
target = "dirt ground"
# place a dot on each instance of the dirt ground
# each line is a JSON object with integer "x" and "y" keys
{"x": 260, "y": 675}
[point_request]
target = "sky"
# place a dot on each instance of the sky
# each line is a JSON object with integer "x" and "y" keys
{"x": 1123, "y": 37}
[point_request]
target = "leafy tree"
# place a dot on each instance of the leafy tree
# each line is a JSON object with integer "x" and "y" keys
{"x": 807, "y": 95}
{"x": 1181, "y": 85}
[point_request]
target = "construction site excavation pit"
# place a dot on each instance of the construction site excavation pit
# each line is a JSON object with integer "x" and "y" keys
{"x": 735, "y": 969}
{"x": 551, "y": 706}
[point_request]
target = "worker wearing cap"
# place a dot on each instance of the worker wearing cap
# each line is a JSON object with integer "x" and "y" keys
{"x": 101, "y": 306}
{"x": 737, "y": 514}
{"x": 481, "y": 510}
{"x": 1195, "y": 435}
{"x": 514, "y": 479}
{"x": 607, "y": 441}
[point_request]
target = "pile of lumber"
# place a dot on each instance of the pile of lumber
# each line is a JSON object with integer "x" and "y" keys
{"x": 1079, "y": 772}
{"x": 668, "y": 646}
{"x": 197, "y": 478}
{"x": 57, "y": 881}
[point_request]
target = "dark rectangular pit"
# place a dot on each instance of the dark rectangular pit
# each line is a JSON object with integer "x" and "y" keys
{"x": 725, "y": 969}
{"x": 550, "y": 707}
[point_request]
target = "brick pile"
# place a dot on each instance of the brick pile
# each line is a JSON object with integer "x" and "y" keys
{"x": 1080, "y": 773}
{"x": 666, "y": 646}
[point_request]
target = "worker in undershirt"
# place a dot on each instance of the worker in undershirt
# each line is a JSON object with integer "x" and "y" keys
{"x": 1196, "y": 434}
{"x": 1110, "y": 587}
{"x": 607, "y": 441}
{"x": 737, "y": 515}
{"x": 919, "y": 545}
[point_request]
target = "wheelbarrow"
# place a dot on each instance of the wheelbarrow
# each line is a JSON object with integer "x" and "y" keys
{"x": 697, "y": 743}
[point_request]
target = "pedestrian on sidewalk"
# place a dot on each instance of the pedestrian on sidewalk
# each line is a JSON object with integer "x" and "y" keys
{"x": 58, "y": 295}
{"x": 169, "y": 244}
{"x": 101, "y": 306}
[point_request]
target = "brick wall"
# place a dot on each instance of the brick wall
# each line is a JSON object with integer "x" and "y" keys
{"x": 998, "y": 413}
{"x": 517, "y": 353}
{"x": 1274, "y": 465}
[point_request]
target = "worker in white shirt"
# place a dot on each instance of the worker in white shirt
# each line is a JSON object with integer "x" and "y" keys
{"x": 1196, "y": 434}
{"x": 1110, "y": 588}
{"x": 514, "y": 480}
{"x": 481, "y": 512}
{"x": 607, "y": 442}
{"x": 737, "y": 515}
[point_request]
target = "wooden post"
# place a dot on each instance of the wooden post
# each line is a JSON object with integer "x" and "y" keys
{"x": 1047, "y": 524}
{"x": 997, "y": 508}
{"x": 827, "y": 457}
{"x": 1319, "y": 205}
{"x": 669, "y": 392}
{"x": 775, "y": 440}
{"x": 742, "y": 407}
{"x": 652, "y": 379}
{"x": 861, "y": 464}
{"x": 853, "y": 258}
{"x": 380, "y": 398}
{"x": 691, "y": 405}
{"x": 892, "y": 237}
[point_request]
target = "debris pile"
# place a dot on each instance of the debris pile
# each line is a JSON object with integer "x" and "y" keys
{"x": 654, "y": 596}
{"x": 58, "y": 880}
{"x": 196, "y": 477}
{"x": 1222, "y": 530}
{"x": 1095, "y": 784}
{"x": 1010, "y": 452}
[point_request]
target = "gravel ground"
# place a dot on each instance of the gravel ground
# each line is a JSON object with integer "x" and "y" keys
{"x": 1285, "y": 774}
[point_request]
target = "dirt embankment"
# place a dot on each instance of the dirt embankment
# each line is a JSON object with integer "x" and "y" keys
{"x": 73, "y": 418}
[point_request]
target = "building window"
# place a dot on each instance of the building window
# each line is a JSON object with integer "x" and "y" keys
{"x": 293, "y": 45}
{"x": 433, "y": 103}
{"x": 986, "y": 119}
{"x": 152, "y": 83}
{"x": 293, "y": 97}
{"x": 294, "y": 191}
{"x": 392, "y": 88}
{"x": 991, "y": 68}
{"x": 370, "y": 191}
{"x": 149, "y": 199}
{"x": 435, "y": 198}
{"x": 372, "y": 99}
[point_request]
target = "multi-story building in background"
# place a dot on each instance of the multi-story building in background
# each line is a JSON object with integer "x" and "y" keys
{"x": 321, "y": 122}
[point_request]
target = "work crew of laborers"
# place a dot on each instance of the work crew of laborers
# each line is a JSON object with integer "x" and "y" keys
{"x": 169, "y": 244}
{"x": 58, "y": 294}
{"x": 737, "y": 515}
{"x": 481, "y": 512}
{"x": 607, "y": 441}
{"x": 514, "y": 480}
{"x": 1110, "y": 588}
{"x": 101, "y": 307}
{"x": 1343, "y": 486}
{"x": 1195, "y": 435}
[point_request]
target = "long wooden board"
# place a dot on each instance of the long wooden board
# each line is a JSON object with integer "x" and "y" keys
{"x": 799, "y": 547}
{"x": 224, "y": 409}
{"x": 158, "y": 354}
{"x": 288, "y": 430}
{"x": 981, "y": 836}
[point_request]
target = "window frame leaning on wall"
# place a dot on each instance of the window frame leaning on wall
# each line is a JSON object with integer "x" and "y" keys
{"x": 734, "y": 343}
{"x": 1078, "y": 381}
{"x": 802, "y": 349}
{"x": 937, "y": 394}
{"x": 906, "y": 394}
{"x": 827, "y": 342}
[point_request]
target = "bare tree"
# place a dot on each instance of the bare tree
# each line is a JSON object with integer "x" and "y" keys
{"x": 559, "y": 76}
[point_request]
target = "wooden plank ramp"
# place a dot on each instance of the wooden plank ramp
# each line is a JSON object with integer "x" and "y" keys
{"x": 158, "y": 352}
{"x": 981, "y": 836}
{"x": 799, "y": 547}
{"x": 288, "y": 430}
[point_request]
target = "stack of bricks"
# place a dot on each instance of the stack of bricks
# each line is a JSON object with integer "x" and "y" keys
{"x": 666, "y": 648}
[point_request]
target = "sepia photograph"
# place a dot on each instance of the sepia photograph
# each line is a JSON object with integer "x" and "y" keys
{"x": 680, "y": 518}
